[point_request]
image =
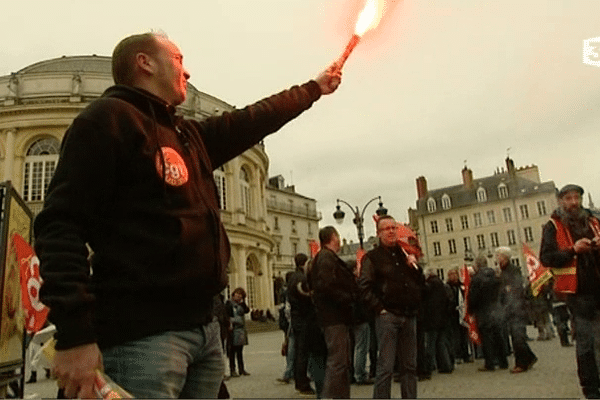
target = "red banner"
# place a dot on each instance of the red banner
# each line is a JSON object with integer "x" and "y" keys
{"x": 360, "y": 253}
{"x": 314, "y": 248}
{"x": 31, "y": 282}
{"x": 469, "y": 319}
{"x": 537, "y": 274}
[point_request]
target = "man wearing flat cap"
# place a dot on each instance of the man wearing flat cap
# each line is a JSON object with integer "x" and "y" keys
{"x": 513, "y": 299}
{"x": 571, "y": 247}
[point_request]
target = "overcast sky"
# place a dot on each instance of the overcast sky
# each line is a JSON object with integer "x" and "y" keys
{"x": 438, "y": 83}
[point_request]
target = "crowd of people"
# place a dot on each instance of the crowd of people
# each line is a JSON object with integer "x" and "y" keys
{"x": 408, "y": 324}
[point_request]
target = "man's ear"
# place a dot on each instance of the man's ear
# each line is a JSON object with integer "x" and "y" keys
{"x": 145, "y": 63}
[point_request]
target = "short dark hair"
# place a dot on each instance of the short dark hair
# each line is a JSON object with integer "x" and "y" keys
{"x": 300, "y": 259}
{"x": 382, "y": 218}
{"x": 239, "y": 290}
{"x": 326, "y": 234}
{"x": 123, "y": 57}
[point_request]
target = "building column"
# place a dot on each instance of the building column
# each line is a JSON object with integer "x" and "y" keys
{"x": 9, "y": 156}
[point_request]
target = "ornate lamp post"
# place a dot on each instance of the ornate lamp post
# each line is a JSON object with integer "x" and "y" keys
{"x": 358, "y": 216}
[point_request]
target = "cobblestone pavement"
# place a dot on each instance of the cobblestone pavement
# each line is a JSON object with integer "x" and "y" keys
{"x": 554, "y": 376}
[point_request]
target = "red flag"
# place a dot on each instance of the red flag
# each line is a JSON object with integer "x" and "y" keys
{"x": 314, "y": 248}
{"x": 469, "y": 319}
{"x": 31, "y": 282}
{"x": 360, "y": 253}
{"x": 537, "y": 274}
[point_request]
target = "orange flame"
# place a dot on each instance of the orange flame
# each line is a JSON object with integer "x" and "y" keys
{"x": 369, "y": 17}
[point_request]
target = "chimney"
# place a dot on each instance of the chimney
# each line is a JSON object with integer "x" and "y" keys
{"x": 467, "y": 176}
{"x": 510, "y": 166}
{"x": 421, "y": 187}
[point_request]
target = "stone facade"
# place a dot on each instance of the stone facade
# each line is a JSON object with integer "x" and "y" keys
{"x": 293, "y": 221}
{"x": 457, "y": 223}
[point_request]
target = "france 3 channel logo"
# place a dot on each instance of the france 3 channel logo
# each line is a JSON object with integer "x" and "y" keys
{"x": 591, "y": 51}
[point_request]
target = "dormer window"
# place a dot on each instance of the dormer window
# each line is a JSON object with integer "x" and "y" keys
{"x": 502, "y": 191}
{"x": 431, "y": 204}
{"x": 446, "y": 203}
{"x": 481, "y": 195}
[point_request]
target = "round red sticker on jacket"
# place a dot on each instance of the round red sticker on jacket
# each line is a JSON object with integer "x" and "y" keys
{"x": 177, "y": 173}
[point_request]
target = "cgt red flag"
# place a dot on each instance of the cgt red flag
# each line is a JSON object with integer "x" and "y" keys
{"x": 360, "y": 253}
{"x": 31, "y": 282}
{"x": 469, "y": 320}
{"x": 537, "y": 274}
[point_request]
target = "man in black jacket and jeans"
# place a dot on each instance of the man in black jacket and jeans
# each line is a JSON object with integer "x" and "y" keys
{"x": 392, "y": 286}
{"x": 134, "y": 182}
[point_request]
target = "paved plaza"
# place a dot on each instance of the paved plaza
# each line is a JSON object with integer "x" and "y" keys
{"x": 554, "y": 376}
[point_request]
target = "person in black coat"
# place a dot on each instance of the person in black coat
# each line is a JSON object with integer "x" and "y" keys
{"x": 484, "y": 303}
{"x": 334, "y": 292}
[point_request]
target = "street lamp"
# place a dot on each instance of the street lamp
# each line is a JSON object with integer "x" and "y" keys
{"x": 358, "y": 216}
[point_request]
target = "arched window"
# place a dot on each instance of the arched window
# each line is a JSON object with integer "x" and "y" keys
{"x": 481, "y": 195}
{"x": 245, "y": 191}
{"x": 446, "y": 203}
{"x": 40, "y": 163}
{"x": 219, "y": 175}
{"x": 502, "y": 191}
{"x": 431, "y": 204}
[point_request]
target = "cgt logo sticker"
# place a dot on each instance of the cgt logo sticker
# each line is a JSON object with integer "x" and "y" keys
{"x": 176, "y": 173}
{"x": 591, "y": 52}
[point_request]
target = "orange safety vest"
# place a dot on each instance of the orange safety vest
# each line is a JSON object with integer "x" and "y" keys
{"x": 565, "y": 278}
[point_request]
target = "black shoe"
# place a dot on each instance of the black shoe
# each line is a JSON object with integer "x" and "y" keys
{"x": 233, "y": 375}
{"x": 245, "y": 373}
{"x": 307, "y": 391}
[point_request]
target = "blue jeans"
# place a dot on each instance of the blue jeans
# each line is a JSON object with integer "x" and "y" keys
{"x": 397, "y": 337}
{"x": 290, "y": 357}
{"x": 361, "y": 348}
{"x": 173, "y": 364}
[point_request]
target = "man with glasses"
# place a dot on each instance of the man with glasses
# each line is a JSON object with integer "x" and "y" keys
{"x": 392, "y": 286}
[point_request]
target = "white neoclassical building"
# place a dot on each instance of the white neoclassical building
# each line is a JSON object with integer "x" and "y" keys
{"x": 38, "y": 103}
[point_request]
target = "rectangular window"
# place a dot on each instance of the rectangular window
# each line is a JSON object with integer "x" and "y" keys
{"x": 437, "y": 249}
{"x": 480, "y": 242}
{"x": 541, "y": 206}
{"x": 467, "y": 243}
{"x": 507, "y": 214}
{"x": 434, "y": 227}
{"x": 449, "y": 225}
{"x": 511, "y": 237}
{"x": 524, "y": 211}
{"x": 452, "y": 246}
{"x": 464, "y": 222}
{"x": 477, "y": 219}
{"x": 491, "y": 216}
{"x": 495, "y": 241}
{"x": 528, "y": 234}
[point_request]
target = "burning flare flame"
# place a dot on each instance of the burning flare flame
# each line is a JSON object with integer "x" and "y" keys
{"x": 369, "y": 17}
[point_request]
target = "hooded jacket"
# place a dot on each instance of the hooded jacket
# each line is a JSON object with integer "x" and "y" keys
{"x": 134, "y": 182}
